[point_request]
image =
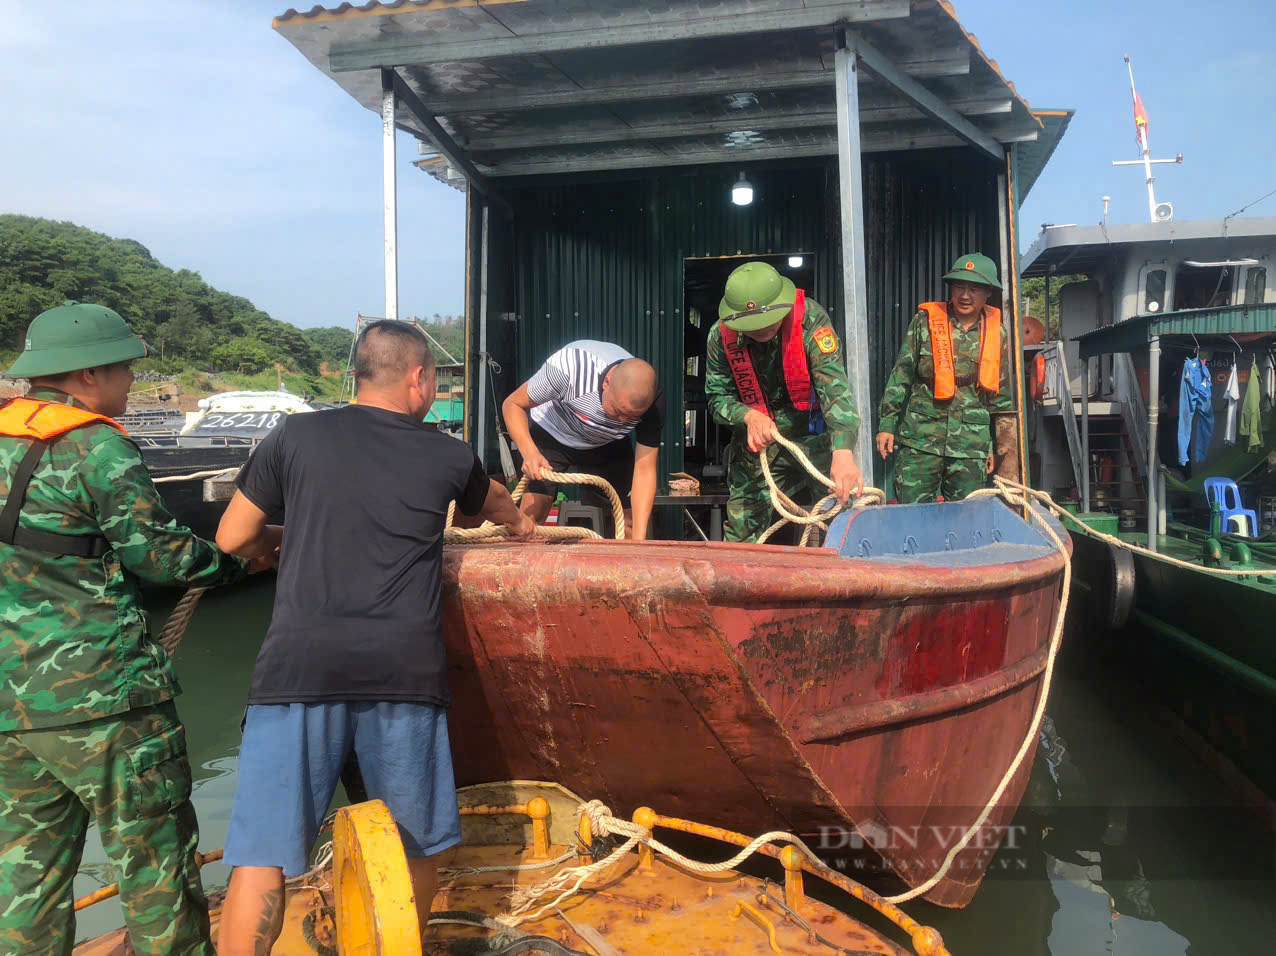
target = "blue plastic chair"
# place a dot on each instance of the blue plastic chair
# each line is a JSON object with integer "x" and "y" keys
{"x": 1228, "y": 496}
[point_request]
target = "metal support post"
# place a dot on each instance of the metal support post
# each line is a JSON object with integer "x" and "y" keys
{"x": 391, "y": 196}
{"x": 1154, "y": 415}
{"x": 484, "y": 377}
{"x": 854, "y": 285}
{"x": 1007, "y": 198}
{"x": 1085, "y": 432}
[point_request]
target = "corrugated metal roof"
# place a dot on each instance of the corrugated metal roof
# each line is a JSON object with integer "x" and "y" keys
{"x": 1031, "y": 158}
{"x": 548, "y": 86}
{"x": 1135, "y": 333}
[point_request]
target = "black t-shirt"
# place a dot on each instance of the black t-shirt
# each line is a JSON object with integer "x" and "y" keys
{"x": 365, "y": 493}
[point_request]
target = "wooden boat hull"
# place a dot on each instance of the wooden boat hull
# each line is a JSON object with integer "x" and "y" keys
{"x": 769, "y": 687}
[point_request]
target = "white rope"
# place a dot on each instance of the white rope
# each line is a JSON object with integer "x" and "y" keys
{"x": 509, "y": 867}
{"x": 602, "y": 823}
{"x": 1017, "y": 494}
{"x": 824, "y": 511}
{"x": 488, "y": 531}
{"x": 193, "y": 475}
{"x": 1014, "y": 494}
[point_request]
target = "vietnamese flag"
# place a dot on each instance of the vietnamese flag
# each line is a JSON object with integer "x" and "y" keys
{"x": 1140, "y": 118}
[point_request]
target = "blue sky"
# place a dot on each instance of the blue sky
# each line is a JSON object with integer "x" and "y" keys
{"x": 197, "y": 130}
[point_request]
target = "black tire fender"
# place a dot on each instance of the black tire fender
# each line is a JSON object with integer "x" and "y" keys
{"x": 1114, "y": 611}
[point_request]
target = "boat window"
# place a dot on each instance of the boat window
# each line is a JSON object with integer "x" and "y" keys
{"x": 1202, "y": 288}
{"x": 1154, "y": 291}
{"x": 1255, "y": 284}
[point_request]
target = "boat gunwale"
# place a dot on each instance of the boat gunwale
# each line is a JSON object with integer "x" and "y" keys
{"x": 752, "y": 582}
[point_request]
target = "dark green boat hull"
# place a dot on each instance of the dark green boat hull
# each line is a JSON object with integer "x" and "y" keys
{"x": 1202, "y": 644}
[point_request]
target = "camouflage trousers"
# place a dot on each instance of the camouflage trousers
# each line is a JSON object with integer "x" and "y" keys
{"x": 130, "y": 774}
{"x": 749, "y": 508}
{"x": 921, "y": 476}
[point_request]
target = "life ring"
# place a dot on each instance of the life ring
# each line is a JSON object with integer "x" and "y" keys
{"x": 376, "y": 908}
{"x": 1037, "y": 380}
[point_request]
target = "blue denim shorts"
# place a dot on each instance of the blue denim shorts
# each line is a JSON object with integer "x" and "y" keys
{"x": 291, "y": 759}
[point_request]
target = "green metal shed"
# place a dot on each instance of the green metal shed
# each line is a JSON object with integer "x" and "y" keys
{"x": 598, "y": 143}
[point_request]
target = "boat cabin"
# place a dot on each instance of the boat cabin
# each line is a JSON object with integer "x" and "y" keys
{"x": 619, "y": 159}
{"x": 1201, "y": 290}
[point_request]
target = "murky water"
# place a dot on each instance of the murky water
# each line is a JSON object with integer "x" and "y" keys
{"x": 1124, "y": 845}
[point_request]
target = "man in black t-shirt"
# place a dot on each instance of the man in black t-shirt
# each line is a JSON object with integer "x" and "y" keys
{"x": 354, "y": 658}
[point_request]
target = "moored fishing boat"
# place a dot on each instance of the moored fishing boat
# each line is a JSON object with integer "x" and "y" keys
{"x": 869, "y": 693}
{"x": 615, "y": 889}
{"x": 1164, "y": 326}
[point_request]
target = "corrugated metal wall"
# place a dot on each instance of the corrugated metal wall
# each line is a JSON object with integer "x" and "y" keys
{"x": 604, "y": 259}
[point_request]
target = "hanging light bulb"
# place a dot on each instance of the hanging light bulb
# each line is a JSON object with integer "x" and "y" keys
{"x": 742, "y": 192}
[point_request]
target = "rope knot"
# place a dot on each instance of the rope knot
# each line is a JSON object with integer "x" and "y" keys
{"x": 599, "y": 816}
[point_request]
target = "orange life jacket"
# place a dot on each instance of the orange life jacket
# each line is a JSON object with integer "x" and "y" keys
{"x": 797, "y": 373}
{"x": 42, "y": 423}
{"x": 941, "y": 348}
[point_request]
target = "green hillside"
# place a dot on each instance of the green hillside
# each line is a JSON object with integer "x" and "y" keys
{"x": 43, "y": 263}
{"x": 206, "y": 338}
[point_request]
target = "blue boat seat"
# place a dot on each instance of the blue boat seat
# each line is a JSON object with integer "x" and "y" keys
{"x": 1228, "y": 496}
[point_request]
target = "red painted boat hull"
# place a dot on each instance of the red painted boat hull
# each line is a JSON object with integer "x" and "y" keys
{"x": 767, "y": 687}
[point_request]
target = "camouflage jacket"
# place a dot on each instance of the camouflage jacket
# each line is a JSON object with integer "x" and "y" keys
{"x": 828, "y": 380}
{"x": 75, "y": 641}
{"x": 960, "y": 427}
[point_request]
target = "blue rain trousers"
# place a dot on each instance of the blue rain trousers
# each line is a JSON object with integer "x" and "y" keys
{"x": 1196, "y": 411}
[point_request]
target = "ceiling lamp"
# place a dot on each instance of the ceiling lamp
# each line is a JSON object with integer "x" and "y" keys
{"x": 742, "y": 192}
{"x": 795, "y": 262}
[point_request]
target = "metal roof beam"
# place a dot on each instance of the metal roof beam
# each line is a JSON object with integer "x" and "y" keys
{"x": 568, "y": 135}
{"x": 422, "y": 49}
{"x": 871, "y": 142}
{"x": 956, "y": 63}
{"x": 924, "y": 99}
{"x": 443, "y": 142}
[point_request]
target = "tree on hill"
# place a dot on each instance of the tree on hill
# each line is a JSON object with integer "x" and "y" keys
{"x": 43, "y": 263}
{"x": 332, "y": 344}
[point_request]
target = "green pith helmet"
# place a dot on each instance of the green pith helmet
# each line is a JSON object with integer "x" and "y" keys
{"x": 756, "y": 296}
{"x": 974, "y": 268}
{"x": 73, "y": 336}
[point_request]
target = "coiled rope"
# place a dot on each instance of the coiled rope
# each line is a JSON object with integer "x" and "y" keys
{"x": 488, "y": 531}
{"x": 824, "y": 510}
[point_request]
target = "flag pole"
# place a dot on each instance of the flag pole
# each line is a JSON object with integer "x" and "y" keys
{"x": 1141, "y": 124}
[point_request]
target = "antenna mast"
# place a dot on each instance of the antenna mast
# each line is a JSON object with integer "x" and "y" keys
{"x": 1162, "y": 212}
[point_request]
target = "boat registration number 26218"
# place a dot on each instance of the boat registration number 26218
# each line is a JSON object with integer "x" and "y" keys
{"x": 255, "y": 420}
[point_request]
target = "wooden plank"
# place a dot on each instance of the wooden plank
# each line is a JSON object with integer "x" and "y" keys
{"x": 220, "y": 488}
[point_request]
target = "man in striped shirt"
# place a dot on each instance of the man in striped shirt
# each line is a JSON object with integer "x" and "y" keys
{"x": 577, "y": 413}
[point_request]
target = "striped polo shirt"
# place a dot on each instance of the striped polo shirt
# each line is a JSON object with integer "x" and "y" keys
{"x": 567, "y": 393}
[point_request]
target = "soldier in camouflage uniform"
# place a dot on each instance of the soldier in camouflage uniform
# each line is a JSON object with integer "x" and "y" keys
{"x": 944, "y": 446}
{"x": 778, "y": 361}
{"x": 88, "y": 728}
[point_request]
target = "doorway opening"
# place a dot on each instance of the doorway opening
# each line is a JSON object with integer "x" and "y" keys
{"x": 703, "y": 279}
